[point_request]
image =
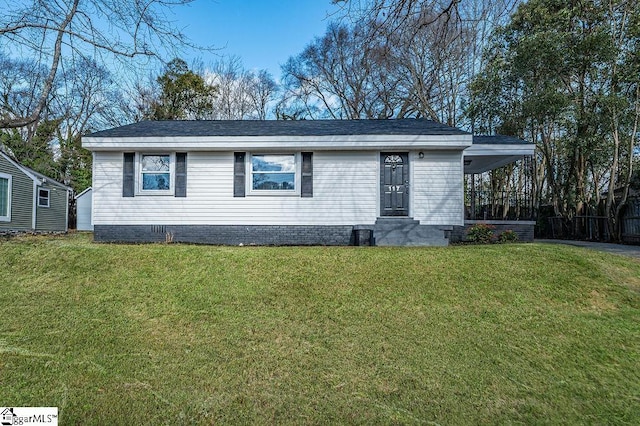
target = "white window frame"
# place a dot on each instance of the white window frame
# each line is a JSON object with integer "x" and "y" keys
{"x": 278, "y": 192}
{"x": 39, "y": 188}
{"x": 140, "y": 172}
{"x": 7, "y": 218}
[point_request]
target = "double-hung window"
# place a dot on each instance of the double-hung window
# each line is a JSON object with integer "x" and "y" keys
{"x": 155, "y": 173}
{"x": 274, "y": 172}
{"x": 5, "y": 197}
{"x": 43, "y": 197}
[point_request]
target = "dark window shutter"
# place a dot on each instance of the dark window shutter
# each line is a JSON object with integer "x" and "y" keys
{"x": 128, "y": 175}
{"x": 306, "y": 188}
{"x": 181, "y": 174}
{"x": 239, "y": 174}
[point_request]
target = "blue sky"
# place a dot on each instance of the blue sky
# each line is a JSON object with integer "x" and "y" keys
{"x": 263, "y": 33}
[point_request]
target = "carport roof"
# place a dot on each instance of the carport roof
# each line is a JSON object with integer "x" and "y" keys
{"x": 490, "y": 152}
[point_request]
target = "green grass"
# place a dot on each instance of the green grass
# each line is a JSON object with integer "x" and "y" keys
{"x": 160, "y": 334}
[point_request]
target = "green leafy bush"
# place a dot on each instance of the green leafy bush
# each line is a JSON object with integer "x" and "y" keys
{"x": 508, "y": 236}
{"x": 480, "y": 233}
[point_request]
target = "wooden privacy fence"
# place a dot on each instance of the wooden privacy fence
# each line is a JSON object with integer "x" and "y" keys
{"x": 630, "y": 221}
{"x": 595, "y": 228}
{"x": 585, "y": 227}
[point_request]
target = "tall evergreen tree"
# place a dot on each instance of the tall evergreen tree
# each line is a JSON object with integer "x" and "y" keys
{"x": 184, "y": 95}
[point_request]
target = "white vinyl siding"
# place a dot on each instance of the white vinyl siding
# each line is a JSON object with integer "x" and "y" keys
{"x": 83, "y": 208}
{"x": 345, "y": 188}
{"x": 438, "y": 191}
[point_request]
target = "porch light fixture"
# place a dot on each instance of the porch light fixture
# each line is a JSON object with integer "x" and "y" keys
{"x": 421, "y": 154}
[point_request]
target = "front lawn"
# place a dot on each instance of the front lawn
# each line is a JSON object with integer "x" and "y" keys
{"x": 166, "y": 334}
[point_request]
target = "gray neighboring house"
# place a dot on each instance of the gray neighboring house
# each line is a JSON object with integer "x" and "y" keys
{"x": 30, "y": 201}
{"x": 322, "y": 182}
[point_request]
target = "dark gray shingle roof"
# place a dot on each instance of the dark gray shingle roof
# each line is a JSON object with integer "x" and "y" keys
{"x": 498, "y": 140}
{"x": 279, "y": 128}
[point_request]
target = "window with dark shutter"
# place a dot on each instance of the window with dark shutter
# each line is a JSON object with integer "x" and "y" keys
{"x": 128, "y": 175}
{"x": 306, "y": 187}
{"x": 239, "y": 174}
{"x": 181, "y": 174}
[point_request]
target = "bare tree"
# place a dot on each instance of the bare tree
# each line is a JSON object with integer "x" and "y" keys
{"x": 241, "y": 94}
{"x": 398, "y": 15}
{"x": 229, "y": 77}
{"x": 262, "y": 91}
{"x": 348, "y": 73}
{"x": 90, "y": 99}
{"x": 145, "y": 94}
{"x": 20, "y": 81}
{"x": 50, "y": 31}
{"x": 403, "y": 58}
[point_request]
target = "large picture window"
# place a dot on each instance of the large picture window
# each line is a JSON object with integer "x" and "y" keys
{"x": 270, "y": 172}
{"x": 155, "y": 173}
{"x": 5, "y": 198}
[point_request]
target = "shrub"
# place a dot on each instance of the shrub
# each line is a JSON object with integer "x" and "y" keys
{"x": 508, "y": 236}
{"x": 480, "y": 233}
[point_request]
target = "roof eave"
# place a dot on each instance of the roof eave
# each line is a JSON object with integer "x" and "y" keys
{"x": 239, "y": 143}
{"x": 499, "y": 149}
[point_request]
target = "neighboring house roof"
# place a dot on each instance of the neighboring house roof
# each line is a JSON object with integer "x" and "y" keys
{"x": 199, "y": 128}
{"x": 38, "y": 178}
{"x": 82, "y": 193}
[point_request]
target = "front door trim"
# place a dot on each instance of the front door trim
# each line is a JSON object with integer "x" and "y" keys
{"x": 394, "y": 184}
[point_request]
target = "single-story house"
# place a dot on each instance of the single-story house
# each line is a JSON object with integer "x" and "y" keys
{"x": 83, "y": 210}
{"x": 30, "y": 201}
{"x": 324, "y": 182}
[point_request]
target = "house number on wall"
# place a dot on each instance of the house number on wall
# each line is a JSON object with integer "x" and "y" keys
{"x": 396, "y": 188}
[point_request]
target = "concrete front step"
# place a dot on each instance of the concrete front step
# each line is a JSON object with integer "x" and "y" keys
{"x": 409, "y": 232}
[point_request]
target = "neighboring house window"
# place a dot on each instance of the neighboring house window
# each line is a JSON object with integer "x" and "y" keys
{"x": 5, "y": 197}
{"x": 155, "y": 173}
{"x": 43, "y": 197}
{"x": 270, "y": 172}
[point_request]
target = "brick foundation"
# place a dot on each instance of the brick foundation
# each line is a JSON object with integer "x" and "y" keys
{"x": 524, "y": 229}
{"x": 263, "y": 235}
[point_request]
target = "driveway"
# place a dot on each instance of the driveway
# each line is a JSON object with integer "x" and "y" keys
{"x": 623, "y": 249}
